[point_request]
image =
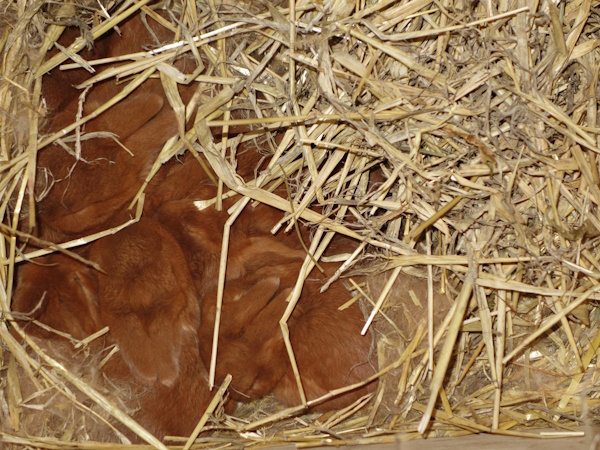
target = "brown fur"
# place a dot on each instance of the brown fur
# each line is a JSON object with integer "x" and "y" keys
{"x": 59, "y": 292}
{"x": 251, "y": 246}
{"x": 328, "y": 347}
{"x": 92, "y": 193}
{"x": 147, "y": 299}
{"x": 161, "y": 271}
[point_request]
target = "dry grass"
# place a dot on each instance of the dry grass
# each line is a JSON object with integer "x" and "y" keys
{"x": 483, "y": 118}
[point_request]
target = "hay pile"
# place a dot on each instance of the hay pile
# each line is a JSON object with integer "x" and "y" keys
{"x": 481, "y": 117}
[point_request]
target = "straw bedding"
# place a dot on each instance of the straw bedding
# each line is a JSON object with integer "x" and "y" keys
{"x": 482, "y": 118}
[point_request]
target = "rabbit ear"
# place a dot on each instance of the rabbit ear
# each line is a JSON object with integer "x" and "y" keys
{"x": 147, "y": 139}
{"x": 249, "y": 302}
{"x": 150, "y": 346}
{"x": 61, "y": 293}
{"x": 88, "y": 285}
{"x": 125, "y": 117}
{"x": 261, "y": 292}
{"x": 243, "y": 304}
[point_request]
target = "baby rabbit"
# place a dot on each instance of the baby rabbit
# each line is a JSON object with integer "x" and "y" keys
{"x": 251, "y": 245}
{"x": 59, "y": 292}
{"x": 90, "y": 193}
{"x": 93, "y": 193}
{"x": 328, "y": 347}
{"x": 147, "y": 298}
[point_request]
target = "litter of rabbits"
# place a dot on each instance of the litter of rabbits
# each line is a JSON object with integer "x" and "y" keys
{"x": 426, "y": 153}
